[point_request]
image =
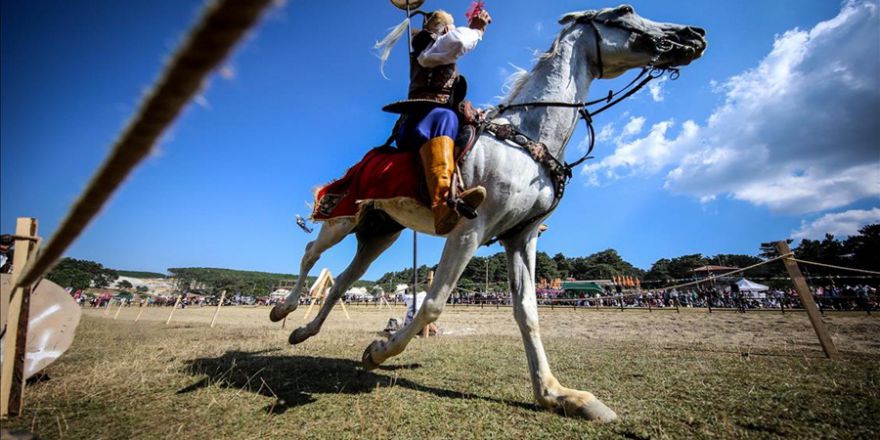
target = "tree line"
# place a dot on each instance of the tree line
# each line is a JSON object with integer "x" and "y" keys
{"x": 858, "y": 251}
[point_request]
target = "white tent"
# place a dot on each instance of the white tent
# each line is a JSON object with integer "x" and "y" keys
{"x": 752, "y": 289}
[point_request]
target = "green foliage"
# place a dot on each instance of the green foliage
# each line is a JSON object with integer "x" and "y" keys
{"x": 81, "y": 274}
{"x": 213, "y": 281}
{"x": 545, "y": 267}
{"x": 493, "y": 270}
{"x": 124, "y": 284}
{"x": 860, "y": 251}
{"x": 140, "y": 274}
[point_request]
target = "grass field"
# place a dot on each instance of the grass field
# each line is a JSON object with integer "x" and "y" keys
{"x": 668, "y": 375}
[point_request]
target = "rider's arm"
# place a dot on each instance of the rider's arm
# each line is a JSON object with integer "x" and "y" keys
{"x": 450, "y": 47}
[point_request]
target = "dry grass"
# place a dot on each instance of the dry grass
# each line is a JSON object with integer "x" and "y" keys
{"x": 668, "y": 375}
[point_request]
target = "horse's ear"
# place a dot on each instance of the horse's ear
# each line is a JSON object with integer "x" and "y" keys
{"x": 577, "y": 16}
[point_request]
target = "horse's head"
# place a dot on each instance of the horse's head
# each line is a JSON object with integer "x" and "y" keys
{"x": 622, "y": 40}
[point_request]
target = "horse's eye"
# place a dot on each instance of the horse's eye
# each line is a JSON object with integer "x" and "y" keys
{"x": 627, "y": 9}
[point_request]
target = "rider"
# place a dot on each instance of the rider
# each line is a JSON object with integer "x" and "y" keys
{"x": 430, "y": 122}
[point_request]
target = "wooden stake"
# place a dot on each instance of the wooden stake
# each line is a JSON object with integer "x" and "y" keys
{"x": 107, "y": 308}
{"x": 143, "y": 306}
{"x": 807, "y": 299}
{"x": 118, "y": 309}
{"x": 18, "y": 311}
{"x": 345, "y": 310}
{"x": 217, "y": 312}
{"x": 173, "y": 309}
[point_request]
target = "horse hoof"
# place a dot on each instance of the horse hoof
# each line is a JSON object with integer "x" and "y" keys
{"x": 278, "y": 313}
{"x": 367, "y": 359}
{"x": 299, "y": 335}
{"x": 590, "y": 408}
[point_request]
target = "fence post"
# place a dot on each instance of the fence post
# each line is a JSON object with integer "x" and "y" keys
{"x": 173, "y": 309}
{"x": 219, "y": 304}
{"x": 807, "y": 299}
{"x": 18, "y": 313}
{"x": 143, "y": 305}
{"x": 118, "y": 309}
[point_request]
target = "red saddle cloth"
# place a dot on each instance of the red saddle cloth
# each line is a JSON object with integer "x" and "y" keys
{"x": 383, "y": 173}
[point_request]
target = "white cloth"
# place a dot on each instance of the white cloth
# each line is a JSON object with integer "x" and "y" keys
{"x": 408, "y": 299}
{"x": 450, "y": 47}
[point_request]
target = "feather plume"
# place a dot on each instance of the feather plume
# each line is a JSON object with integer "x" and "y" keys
{"x": 384, "y": 47}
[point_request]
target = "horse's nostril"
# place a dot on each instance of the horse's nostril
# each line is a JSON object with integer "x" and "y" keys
{"x": 698, "y": 30}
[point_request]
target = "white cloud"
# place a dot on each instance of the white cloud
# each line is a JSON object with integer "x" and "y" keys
{"x": 227, "y": 72}
{"x": 797, "y": 133}
{"x": 656, "y": 89}
{"x": 539, "y": 27}
{"x": 842, "y": 224}
{"x": 634, "y": 126}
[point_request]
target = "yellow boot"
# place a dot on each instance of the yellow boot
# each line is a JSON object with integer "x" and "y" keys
{"x": 439, "y": 164}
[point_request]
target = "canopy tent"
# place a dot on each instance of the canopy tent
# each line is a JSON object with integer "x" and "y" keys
{"x": 582, "y": 287}
{"x": 752, "y": 289}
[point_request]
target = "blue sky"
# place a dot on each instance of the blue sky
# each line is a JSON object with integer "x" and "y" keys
{"x": 747, "y": 146}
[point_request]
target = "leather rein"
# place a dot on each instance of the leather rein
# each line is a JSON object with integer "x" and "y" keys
{"x": 560, "y": 171}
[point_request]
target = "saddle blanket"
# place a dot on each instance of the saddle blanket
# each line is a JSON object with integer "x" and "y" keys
{"x": 383, "y": 173}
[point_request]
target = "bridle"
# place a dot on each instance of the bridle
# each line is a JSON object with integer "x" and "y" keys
{"x": 647, "y": 74}
{"x": 561, "y": 171}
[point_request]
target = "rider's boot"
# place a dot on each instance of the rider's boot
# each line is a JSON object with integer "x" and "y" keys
{"x": 439, "y": 163}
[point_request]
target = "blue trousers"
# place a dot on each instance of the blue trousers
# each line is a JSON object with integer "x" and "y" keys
{"x": 418, "y": 128}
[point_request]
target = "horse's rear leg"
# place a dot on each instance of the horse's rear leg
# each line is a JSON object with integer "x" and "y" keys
{"x": 332, "y": 232}
{"x": 369, "y": 248}
{"x": 549, "y": 393}
{"x": 459, "y": 248}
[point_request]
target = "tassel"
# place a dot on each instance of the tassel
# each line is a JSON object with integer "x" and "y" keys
{"x": 384, "y": 46}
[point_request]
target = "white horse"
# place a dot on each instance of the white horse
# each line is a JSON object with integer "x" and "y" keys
{"x": 520, "y": 191}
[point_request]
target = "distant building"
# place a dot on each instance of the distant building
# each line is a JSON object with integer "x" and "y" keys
{"x": 279, "y": 294}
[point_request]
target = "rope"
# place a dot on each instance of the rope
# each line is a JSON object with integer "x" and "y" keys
{"x": 714, "y": 277}
{"x": 872, "y": 272}
{"x": 222, "y": 24}
{"x": 678, "y": 286}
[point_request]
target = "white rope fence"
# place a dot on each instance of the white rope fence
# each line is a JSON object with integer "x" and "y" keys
{"x": 852, "y": 269}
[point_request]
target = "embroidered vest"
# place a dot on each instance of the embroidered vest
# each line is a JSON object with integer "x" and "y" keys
{"x": 432, "y": 84}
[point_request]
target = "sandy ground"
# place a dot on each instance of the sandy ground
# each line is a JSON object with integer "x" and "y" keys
{"x": 753, "y": 331}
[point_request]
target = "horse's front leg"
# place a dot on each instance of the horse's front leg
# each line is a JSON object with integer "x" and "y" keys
{"x": 332, "y": 232}
{"x": 369, "y": 248}
{"x": 549, "y": 393}
{"x": 459, "y": 248}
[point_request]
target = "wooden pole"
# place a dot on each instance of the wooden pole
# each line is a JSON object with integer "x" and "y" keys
{"x": 217, "y": 312}
{"x": 415, "y": 274}
{"x": 807, "y": 299}
{"x": 118, "y": 309}
{"x": 176, "y": 303}
{"x": 317, "y": 291}
{"x": 143, "y": 306}
{"x": 330, "y": 282}
{"x": 107, "y": 308}
{"x": 347, "y": 316}
{"x": 18, "y": 311}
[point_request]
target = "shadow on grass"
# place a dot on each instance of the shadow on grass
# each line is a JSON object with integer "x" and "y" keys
{"x": 294, "y": 380}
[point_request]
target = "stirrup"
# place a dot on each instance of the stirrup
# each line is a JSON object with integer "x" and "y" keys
{"x": 464, "y": 209}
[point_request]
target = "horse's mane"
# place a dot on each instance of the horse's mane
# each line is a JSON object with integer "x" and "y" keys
{"x": 514, "y": 83}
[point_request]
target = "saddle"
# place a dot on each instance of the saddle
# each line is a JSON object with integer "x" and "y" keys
{"x": 386, "y": 173}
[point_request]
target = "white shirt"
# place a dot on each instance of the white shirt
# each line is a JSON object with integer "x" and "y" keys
{"x": 450, "y": 47}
